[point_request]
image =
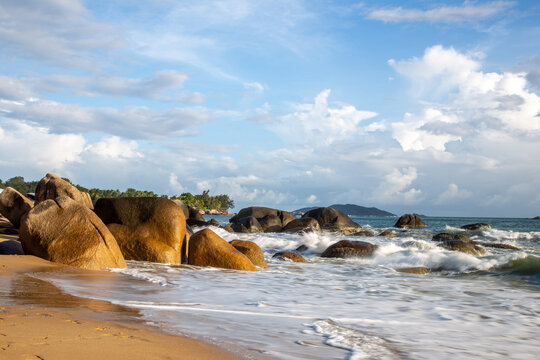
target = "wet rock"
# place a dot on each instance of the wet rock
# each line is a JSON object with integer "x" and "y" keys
{"x": 252, "y": 251}
{"x": 409, "y": 221}
{"x": 347, "y": 248}
{"x": 52, "y": 186}
{"x": 259, "y": 213}
{"x": 248, "y": 224}
{"x": 499, "y": 246}
{"x": 11, "y": 247}
{"x": 387, "y": 233}
{"x": 195, "y": 218}
{"x": 415, "y": 270}
{"x": 13, "y": 205}
{"x": 302, "y": 225}
{"x": 65, "y": 231}
{"x": 213, "y": 222}
{"x": 363, "y": 233}
{"x": 270, "y": 223}
{"x": 146, "y": 228}
{"x": 206, "y": 248}
{"x": 333, "y": 220}
{"x": 476, "y": 226}
{"x": 302, "y": 248}
{"x": 448, "y": 236}
{"x": 289, "y": 256}
{"x": 228, "y": 228}
{"x": 464, "y": 247}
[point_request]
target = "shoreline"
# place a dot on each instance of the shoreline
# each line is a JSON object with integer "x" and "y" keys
{"x": 39, "y": 321}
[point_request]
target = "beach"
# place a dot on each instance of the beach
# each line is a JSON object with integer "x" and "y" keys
{"x": 38, "y": 321}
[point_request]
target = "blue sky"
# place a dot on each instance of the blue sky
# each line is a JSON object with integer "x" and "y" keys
{"x": 425, "y": 106}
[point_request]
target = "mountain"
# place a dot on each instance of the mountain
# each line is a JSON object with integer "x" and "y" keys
{"x": 351, "y": 209}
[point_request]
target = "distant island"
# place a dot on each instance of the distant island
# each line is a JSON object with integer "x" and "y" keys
{"x": 350, "y": 209}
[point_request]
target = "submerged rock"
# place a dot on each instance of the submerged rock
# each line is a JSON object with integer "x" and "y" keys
{"x": 415, "y": 270}
{"x": 449, "y": 236}
{"x": 252, "y": 251}
{"x": 409, "y": 221}
{"x": 464, "y": 247}
{"x": 387, "y": 233}
{"x": 347, "y": 248}
{"x": 52, "y": 186}
{"x": 334, "y": 220}
{"x": 363, "y": 233}
{"x": 302, "y": 248}
{"x": 13, "y": 205}
{"x": 499, "y": 246}
{"x": 206, "y": 248}
{"x": 65, "y": 231}
{"x": 476, "y": 226}
{"x": 290, "y": 256}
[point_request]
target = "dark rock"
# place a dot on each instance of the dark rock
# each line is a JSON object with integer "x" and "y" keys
{"x": 334, "y": 220}
{"x": 476, "y": 226}
{"x": 65, "y": 231}
{"x": 499, "y": 246}
{"x": 302, "y": 225}
{"x": 213, "y": 222}
{"x": 146, "y": 228}
{"x": 13, "y": 205}
{"x": 347, "y": 248}
{"x": 464, "y": 247}
{"x": 195, "y": 215}
{"x": 302, "y": 248}
{"x": 9, "y": 231}
{"x": 536, "y": 218}
{"x": 289, "y": 256}
{"x": 11, "y": 247}
{"x": 206, "y": 248}
{"x": 248, "y": 224}
{"x": 252, "y": 251}
{"x": 260, "y": 212}
{"x": 270, "y": 223}
{"x": 387, "y": 233}
{"x": 409, "y": 221}
{"x": 52, "y": 186}
{"x": 415, "y": 270}
{"x": 448, "y": 236}
{"x": 363, "y": 233}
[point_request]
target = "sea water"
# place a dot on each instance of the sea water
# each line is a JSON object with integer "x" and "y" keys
{"x": 472, "y": 307}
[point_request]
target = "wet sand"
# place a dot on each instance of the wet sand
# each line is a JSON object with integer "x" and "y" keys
{"x": 38, "y": 321}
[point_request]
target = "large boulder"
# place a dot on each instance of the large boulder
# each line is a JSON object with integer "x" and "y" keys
{"x": 13, "y": 205}
{"x": 65, "y": 231}
{"x": 206, "y": 248}
{"x": 146, "y": 228}
{"x": 195, "y": 218}
{"x": 334, "y": 220}
{"x": 260, "y": 212}
{"x": 448, "y": 236}
{"x": 248, "y": 224}
{"x": 52, "y": 186}
{"x": 289, "y": 256}
{"x": 347, "y": 248}
{"x": 252, "y": 251}
{"x": 270, "y": 223}
{"x": 476, "y": 226}
{"x": 409, "y": 221}
{"x": 184, "y": 207}
{"x": 499, "y": 246}
{"x": 304, "y": 224}
{"x": 464, "y": 247}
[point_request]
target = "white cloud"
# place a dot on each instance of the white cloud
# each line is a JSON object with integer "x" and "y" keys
{"x": 453, "y": 194}
{"x": 468, "y": 12}
{"x": 13, "y": 89}
{"x": 254, "y": 88}
{"x": 311, "y": 199}
{"x": 175, "y": 185}
{"x": 112, "y": 147}
{"x": 395, "y": 187}
{"x": 318, "y": 124}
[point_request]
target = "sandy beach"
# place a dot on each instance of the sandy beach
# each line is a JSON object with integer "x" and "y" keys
{"x": 38, "y": 321}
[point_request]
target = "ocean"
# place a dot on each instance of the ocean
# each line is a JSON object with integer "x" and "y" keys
{"x": 472, "y": 307}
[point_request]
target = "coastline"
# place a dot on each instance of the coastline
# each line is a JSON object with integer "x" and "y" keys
{"x": 39, "y": 321}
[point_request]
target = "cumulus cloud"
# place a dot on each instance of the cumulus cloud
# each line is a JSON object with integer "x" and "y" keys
{"x": 468, "y": 12}
{"x": 453, "y": 194}
{"x": 396, "y": 187}
{"x": 113, "y": 147}
{"x": 319, "y": 124}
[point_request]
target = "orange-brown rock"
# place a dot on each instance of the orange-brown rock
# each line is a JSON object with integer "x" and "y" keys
{"x": 252, "y": 251}
{"x": 206, "y": 248}
{"x": 65, "y": 231}
{"x": 409, "y": 221}
{"x": 289, "y": 256}
{"x": 52, "y": 186}
{"x": 422, "y": 270}
{"x": 13, "y": 205}
{"x": 228, "y": 228}
{"x": 146, "y": 228}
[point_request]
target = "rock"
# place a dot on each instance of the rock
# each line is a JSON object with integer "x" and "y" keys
{"x": 270, "y": 223}
{"x": 184, "y": 207}
{"x": 206, "y": 248}
{"x": 13, "y": 205}
{"x": 334, "y": 220}
{"x": 195, "y": 218}
{"x": 476, "y": 226}
{"x": 260, "y": 212}
{"x": 464, "y": 247}
{"x": 302, "y": 248}
{"x": 363, "y": 233}
{"x": 65, "y": 231}
{"x": 448, "y": 236}
{"x": 409, "y": 221}
{"x": 304, "y": 224}
{"x": 387, "y": 233}
{"x": 252, "y": 251}
{"x": 52, "y": 186}
{"x": 347, "y": 248}
{"x": 228, "y": 228}
{"x": 9, "y": 231}
{"x": 146, "y": 228}
{"x": 248, "y": 224}
{"x": 213, "y": 222}
{"x": 289, "y": 256}
{"x": 499, "y": 246}
{"x": 415, "y": 270}
{"x": 11, "y": 247}
{"x": 536, "y": 218}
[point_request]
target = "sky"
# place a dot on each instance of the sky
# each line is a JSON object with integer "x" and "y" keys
{"x": 409, "y": 106}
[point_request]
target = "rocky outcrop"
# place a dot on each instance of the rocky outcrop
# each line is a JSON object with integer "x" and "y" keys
{"x": 409, "y": 221}
{"x": 206, "y": 248}
{"x": 476, "y": 226}
{"x": 333, "y": 220}
{"x": 146, "y": 228}
{"x": 13, "y": 205}
{"x": 266, "y": 216}
{"x": 248, "y": 224}
{"x": 304, "y": 224}
{"x": 289, "y": 256}
{"x": 347, "y": 248}
{"x": 65, "y": 231}
{"x": 464, "y": 247}
{"x": 363, "y": 233}
{"x": 52, "y": 186}
{"x": 448, "y": 236}
{"x": 252, "y": 251}
{"x": 183, "y": 206}
{"x": 387, "y": 233}
{"x": 499, "y": 246}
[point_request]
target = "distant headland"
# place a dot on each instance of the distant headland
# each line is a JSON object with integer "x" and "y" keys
{"x": 350, "y": 209}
